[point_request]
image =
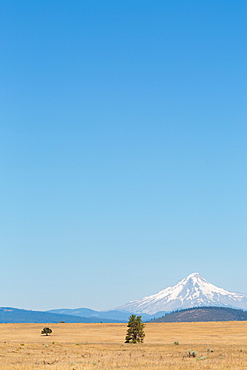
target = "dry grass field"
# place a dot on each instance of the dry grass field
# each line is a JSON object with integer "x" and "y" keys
{"x": 219, "y": 345}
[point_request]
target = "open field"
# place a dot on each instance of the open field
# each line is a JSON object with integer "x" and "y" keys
{"x": 101, "y": 346}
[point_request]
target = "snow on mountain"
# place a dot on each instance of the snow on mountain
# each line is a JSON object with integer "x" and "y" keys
{"x": 192, "y": 291}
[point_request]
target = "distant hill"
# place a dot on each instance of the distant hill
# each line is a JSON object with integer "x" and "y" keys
{"x": 15, "y": 315}
{"x": 106, "y": 315}
{"x": 204, "y": 314}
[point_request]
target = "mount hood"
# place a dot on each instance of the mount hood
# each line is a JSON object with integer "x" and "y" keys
{"x": 193, "y": 291}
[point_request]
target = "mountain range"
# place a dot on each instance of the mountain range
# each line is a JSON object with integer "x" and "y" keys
{"x": 15, "y": 315}
{"x": 116, "y": 315}
{"x": 193, "y": 291}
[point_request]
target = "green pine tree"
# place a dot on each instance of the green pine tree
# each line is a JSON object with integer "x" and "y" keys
{"x": 135, "y": 331}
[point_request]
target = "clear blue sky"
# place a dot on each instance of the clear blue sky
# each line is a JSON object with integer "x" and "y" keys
{"x": 123, "y": 149}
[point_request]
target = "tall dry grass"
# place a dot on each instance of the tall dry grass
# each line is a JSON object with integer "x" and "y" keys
{"x": 221, "y": 345}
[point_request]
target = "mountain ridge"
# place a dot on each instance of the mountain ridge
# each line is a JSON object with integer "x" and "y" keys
{"x": 192, "y": 291}
{"x": 202, "y": 314}
{"x": 16, "y": 315}
{"x": 106, "y": 315}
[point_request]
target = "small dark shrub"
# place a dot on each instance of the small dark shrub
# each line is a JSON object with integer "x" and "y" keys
{"x": 192, "y": 353}
{"x": 46, "y": 331}
{"x": 210, "y": 350}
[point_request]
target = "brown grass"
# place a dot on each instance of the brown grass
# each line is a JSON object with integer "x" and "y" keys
{"x": 101, "y": 346}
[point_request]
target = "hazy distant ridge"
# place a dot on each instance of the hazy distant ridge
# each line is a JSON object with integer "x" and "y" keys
{"x": 15, "y": 315}
{"x": 106, "y": 315}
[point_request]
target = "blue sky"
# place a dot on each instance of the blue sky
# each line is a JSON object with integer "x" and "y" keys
{"x": 122, "y": 149}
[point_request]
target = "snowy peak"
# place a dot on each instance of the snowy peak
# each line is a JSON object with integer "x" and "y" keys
{"x": 192, "y": 291}
{"x": 194, "y": 276}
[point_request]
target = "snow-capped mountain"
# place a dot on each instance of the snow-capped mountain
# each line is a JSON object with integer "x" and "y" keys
{"x": 192, "y": 291}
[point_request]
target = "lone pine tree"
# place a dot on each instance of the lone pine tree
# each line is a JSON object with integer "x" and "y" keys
{"x": 135, "y": 331}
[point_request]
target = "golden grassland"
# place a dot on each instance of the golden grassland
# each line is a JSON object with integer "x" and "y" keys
{"x": 219, "y": 345}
